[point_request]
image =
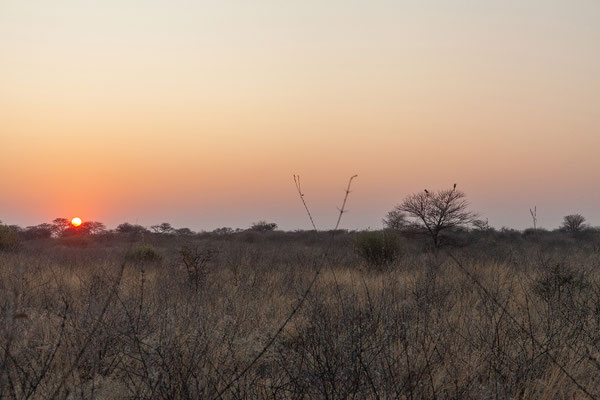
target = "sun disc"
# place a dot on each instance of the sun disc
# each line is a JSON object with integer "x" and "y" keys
{"x": 76, "y": 221}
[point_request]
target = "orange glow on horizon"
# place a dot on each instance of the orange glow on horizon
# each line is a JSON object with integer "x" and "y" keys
{"x": 76, "y": 221}
{"x": 170, "y": 114}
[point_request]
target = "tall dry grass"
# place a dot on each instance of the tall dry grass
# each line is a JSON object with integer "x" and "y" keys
{"x": 516, "y": 319}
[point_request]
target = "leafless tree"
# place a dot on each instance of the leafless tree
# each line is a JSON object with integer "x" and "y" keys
{"x": 481, "y": 225}
{"x": 438, "y": 211}
{"x": 573, "y": 223}
{"x": 395, "y": 219}
{"x": 195, "y": 260}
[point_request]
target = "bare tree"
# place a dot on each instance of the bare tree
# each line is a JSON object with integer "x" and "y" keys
{"x": 195, "y": 260}
{"x": 438, "y": 211}
{"x": 573, "y": 223}
{"x": 396, "y": 219}
{"x": 481, "y": 225}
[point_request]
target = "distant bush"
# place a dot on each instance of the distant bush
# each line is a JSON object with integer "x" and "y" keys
{"x": 42, "y": 231}
{"x": 378, "y": 248}
{"x": 557, "y": 281}
{"x": 184, "y": 232}
{"x": 9, "y": 238}
{"x": 164, "y": 228}
{"x": 223, "y": 231}
{"x": 573, "y": 223}
{"x": 396, "y": 220}
{"x": 143, "y": 252}
{"x": 126, "y": 227}
{"x": 263, "y": 226}
{"x": 74, "y": 240}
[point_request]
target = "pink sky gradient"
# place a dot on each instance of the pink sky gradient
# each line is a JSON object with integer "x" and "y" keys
{"x": 199, "y": 113}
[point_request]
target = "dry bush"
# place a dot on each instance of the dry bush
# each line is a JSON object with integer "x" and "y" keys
{"x": 515, "y": 319}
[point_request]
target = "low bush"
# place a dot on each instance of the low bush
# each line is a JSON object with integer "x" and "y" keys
{"x": 9, "y": 238}
{"x": 143, "y": 252}
{"x": 378, "y": 248}
{"x": 75, "y": 240}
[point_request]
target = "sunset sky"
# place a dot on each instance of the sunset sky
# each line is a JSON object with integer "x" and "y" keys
{"x": 199, "y": 112}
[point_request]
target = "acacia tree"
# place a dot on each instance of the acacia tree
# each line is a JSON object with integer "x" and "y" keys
{"x": 165, "y": 227}
{"x": 573, "y": 223}
{"x": 92, "y": 227}
{"x": 438, "y": 212}
{"x": 41, "y": 231}
{"x": 60, "y": 225}
{"x": 126, "y": 227}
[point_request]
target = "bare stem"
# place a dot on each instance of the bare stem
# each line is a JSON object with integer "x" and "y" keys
{"x": 299, "y": 189}
{"x": 300, "y": 302}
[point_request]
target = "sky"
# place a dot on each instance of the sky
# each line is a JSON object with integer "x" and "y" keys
{"x": 198, "y": 113}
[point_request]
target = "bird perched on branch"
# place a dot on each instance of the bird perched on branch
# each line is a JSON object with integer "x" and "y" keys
{"x": 455, "y": 186}
{"x": 426, "y": 191}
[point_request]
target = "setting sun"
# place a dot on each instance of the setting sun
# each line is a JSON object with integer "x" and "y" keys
{"x": 76, "y": 221}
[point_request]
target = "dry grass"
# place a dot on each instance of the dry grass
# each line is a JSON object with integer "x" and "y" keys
{"x": 420, "y": 328}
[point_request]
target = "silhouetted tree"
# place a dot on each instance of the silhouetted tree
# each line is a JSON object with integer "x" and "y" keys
{"x": 573, "y": 223}
{"x": 92, "y": 227}
{"x": 126, "y": 227}
{"x": 60, "y": 225}
{"x": 438, "y": 211}
{"x": 395, "y": 219}
{"x": 482, "y": 225}
{"x": 223, "y": 231}
{"x": 41, "y": 231}
{"x": 184, "y": 232}
{"x": 165, "y": 227}
{"x": 263, "y": 226}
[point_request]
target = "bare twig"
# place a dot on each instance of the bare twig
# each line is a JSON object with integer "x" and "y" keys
{"x": 88, "y": 339}
{"x": 343, "y": 209}
{"x": 296, "y": 308}
{"x": 299, "y": 189}
{"x": 533, "y": 213}
{"x": 521, "y": 327}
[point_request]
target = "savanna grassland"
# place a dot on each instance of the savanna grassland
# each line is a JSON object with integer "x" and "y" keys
{"x": 500, "y": 314}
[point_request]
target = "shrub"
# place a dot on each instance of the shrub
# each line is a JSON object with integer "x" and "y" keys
{"x": 223, "y": 231}
{"x": 263, "y": 226}
{"x": 559, "y": 280}
{"x": 143, "y": 252}
{"x": 74, "y": 240}
{"x": 574, "y": 223}
{"x": 378, "y": 248}
{"x": 195, "y": 261}
{"x": 126, "y": 227}
{"x": 9, "y": 238}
